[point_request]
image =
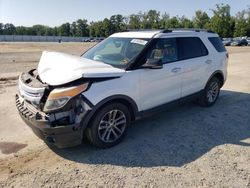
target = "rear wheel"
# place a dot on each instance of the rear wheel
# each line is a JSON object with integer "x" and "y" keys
{"x": 109, "y": 125}
{"x": 210, "y": 93}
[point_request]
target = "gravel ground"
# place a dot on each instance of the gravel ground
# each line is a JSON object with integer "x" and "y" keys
{"x": 185, "y": 146}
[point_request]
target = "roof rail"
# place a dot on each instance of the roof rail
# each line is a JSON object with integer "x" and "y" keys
{"x": 169, "y": 30}
{"x": 138, "y": 30}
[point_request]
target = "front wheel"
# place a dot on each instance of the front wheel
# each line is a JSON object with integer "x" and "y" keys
{"x": 108, "y": 126}
{"x": 210, "y": 93}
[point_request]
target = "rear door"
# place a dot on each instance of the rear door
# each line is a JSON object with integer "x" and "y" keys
{"x": 195, "y": 62}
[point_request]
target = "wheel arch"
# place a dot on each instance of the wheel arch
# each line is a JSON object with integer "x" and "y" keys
{"x": 218, "y": 74}
{"x": 123, "y": 99}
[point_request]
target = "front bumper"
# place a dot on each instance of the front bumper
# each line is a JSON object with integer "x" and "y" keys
{"x": 60, "y": 136}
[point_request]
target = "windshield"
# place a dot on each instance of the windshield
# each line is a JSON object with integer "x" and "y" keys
{"x": 117, "y": 52}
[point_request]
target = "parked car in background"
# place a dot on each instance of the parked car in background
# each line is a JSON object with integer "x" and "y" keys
{"x": 100, "y": 39}
{"x": 248, "y": 41}
{"x": 226, "y": 41}
{"x": 93, "y": 39}
{"x": 86, "y": 40}
{"x": 239, "y": 42}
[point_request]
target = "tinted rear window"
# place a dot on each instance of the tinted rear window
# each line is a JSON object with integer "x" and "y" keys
{"x": 217, "y": 43}
{"x": 191, "y": 47}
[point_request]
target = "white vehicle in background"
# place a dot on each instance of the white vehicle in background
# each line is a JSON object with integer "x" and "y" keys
{"x": 227, "y": 41}
{"x": 123, "y": 78}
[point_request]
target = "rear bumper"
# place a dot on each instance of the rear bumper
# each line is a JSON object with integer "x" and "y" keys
{"x": 60, "y": 136}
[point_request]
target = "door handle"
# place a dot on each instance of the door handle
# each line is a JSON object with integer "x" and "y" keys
{"x": 209, "y": 61}
{"x": 176, "y": 69}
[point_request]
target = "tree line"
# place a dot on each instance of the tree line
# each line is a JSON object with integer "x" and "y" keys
{"x": 222, "y": 22}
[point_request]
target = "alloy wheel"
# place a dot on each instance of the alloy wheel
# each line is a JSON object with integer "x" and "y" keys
{"x": 112, "y": 126}
{"x": 212, "y": 92}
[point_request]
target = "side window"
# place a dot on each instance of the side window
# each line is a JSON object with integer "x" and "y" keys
{"x": 164, "y": 49}
{"x": 217, "y": 43}
{"x": 190, "y": 47}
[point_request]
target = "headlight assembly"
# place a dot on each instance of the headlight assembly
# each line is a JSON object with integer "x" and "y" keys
{"x": 59, "y": 97}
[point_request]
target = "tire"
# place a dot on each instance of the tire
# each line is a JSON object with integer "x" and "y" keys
{"x": 211, "y": 93}
{"x": 108, "y": 126}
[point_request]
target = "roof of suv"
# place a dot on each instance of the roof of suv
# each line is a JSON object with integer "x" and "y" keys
{"x": 137, "y": 34}
{"x": 159, "y": 33}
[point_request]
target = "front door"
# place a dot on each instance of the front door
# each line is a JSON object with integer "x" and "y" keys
{"x": 160, "y": 86}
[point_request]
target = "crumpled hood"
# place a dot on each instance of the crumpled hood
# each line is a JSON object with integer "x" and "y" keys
{"x": 57, "y": 68}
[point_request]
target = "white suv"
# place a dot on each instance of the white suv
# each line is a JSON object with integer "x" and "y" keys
{"x": 123, "y": 78}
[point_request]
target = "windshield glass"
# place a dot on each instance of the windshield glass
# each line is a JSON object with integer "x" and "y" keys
{"x": 117, "y": 52}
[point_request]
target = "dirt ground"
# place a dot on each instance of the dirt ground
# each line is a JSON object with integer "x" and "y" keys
{"x": 185, "y": 146}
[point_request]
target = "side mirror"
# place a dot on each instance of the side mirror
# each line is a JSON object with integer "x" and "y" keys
{"x": 153, "y": 64}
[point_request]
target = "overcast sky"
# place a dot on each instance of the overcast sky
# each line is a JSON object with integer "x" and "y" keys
{"x": 56, "y": 12}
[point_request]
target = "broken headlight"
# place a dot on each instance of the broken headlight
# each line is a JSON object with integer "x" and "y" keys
{"x": 60, "y": 97}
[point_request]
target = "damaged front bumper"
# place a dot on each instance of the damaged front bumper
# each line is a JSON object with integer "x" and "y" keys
{"x": 61, "y": 127}
{"x": 45, "y": 126}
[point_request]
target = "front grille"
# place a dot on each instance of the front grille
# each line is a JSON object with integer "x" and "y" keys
{"x": 27, "y": 113}
{"x": 30, "y": 88}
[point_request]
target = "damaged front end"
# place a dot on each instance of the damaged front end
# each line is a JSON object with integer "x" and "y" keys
{"x": 55, "y": 113}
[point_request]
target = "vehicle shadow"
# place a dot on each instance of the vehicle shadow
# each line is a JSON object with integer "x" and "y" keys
{"x": 176, "y": 136}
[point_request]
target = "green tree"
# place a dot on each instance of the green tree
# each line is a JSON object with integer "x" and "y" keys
{"x": 64, "y": 29}
{"x": 21, "y": 30}
{"x": 134, "y": 21}
{"x": 9, "y": 29}
{"x": 39, "y": 29}
{"x": 96, "y": 29}
{"x": 55, "y": 31}
{"x": 240, "y": 24}
{"x": 1, "y": 28}
{"x": 248, "y": 21}
{"x": 73, "y": 29}
{"x": 92, "y": 29}
{"x": 221, "y": 20}
{"x": 173, "y": 22}
{"x": 201, "y": 20}
{"x": 48, "y": 31}
{"x": 82, "y": 29}
{"x": 31, "y": 31}
{"x": 151, "y": 20}
{"x": 106, "y": 27}
{"x": 185, "y": 22}
{"x": 164, "y": 21}
{"x": 117, "y": 23}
